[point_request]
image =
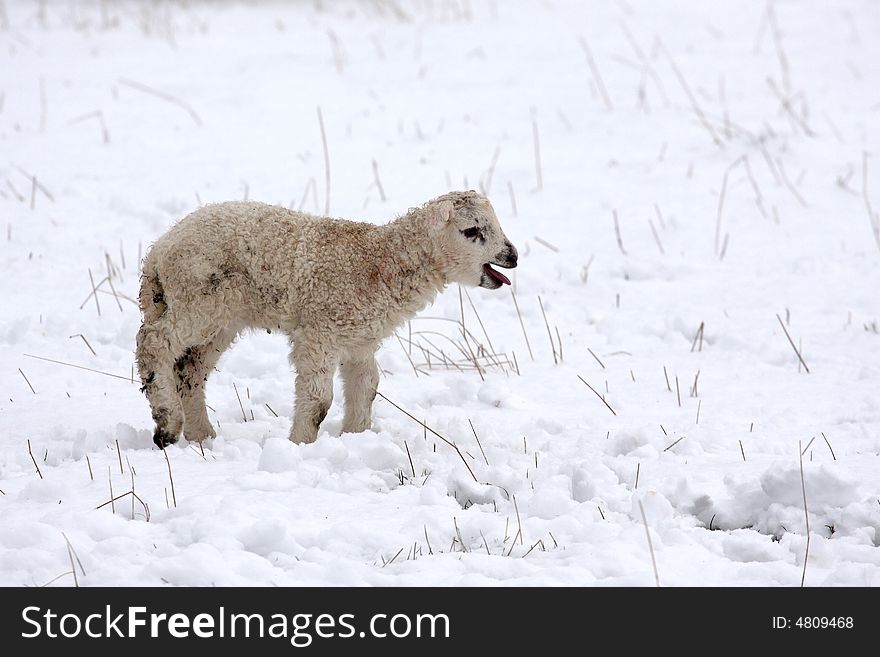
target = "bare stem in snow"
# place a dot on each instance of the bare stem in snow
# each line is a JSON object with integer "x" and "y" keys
{"x": 873, "y": 217}
{"x": 650, "y": 544}
{"x": 791, "y": 342}
{"x": 164, "y": 96}
{"x": 427, "y": 428}
{"x": 597, "y": 394}
{"x": 33, "y": 459}
{"x": 326, "y": 164}
{"x": 597, "y": 77}
{"x": 806, "y": 513}
{"x": 539, "y": 176}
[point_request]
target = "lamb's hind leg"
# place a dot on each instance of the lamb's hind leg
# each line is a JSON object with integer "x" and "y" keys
{"x": 193, "y": 369}
{"x": 315, "y": 365}
{"x": 360, "y": 376}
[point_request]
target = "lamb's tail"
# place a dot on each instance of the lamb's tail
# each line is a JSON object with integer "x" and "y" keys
{"x": 152, "y": 295}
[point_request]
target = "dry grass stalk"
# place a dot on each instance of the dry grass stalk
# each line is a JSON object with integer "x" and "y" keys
{"x": 785, "y": 181}
{"x": 378, "y": 182}
{"x": 95, "y": 292}
{"x": 597, "y": 77}
{"x": 597, "y": 394}
{"x": 617, "y": 232}
{"x": 547, "y": 244}
{"x": 522, "y": 324}
{"x": 110, "y": 484}
{"x": 674, "y": 443}
{"x": 791, "y": 342}
{"x": 549, "y": 334}
{"x": 512, "y": 197}
{"x": 89, "y": 463}
{"x": 777, "y": 43}
{"x": 79, "y": 367}
{"x": 742, "y": 450}
{"x": 171, "y": 477}
{"x": 806, "y": 513}
{"x": 873, "y": 217}
{"x": 479, "y": 444}
{"x": 592, "y": 353}
{"x": 693, "y": 100}
{"x": 409, "y": 456}
{"x": 240, "y": 405}
{"x": 650, "y": 545}
{"x": 26, "y": 381}
{"x": 80, "y": 335}
{"x": 33, "y": 459}
{"x": 829, "y": 447}
{"x": 698, "y": 336}
{"x": 539, "y": 176}
{"x": 656, "y": 237}
{"x": 326, "y": 164}
{"x": 271, "y": 410}
{"x": 164, "y": 96}
{"x": 490, "y": 172}
{"x": 119, "y": 454}
{"x": 427, "y": 428}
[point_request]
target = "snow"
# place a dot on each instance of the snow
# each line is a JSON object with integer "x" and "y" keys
{"x": 433, "y": 93}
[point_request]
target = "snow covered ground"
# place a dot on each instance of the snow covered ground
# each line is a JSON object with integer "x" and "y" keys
{"x": 728, "y": 139}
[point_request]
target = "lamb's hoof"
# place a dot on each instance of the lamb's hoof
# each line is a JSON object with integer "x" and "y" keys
{"x": 162, "y": 438}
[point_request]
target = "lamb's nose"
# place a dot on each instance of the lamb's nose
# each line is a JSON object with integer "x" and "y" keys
{"x": 512, "y": 254}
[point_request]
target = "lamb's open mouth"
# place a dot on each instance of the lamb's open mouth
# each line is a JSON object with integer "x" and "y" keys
{"x": 495, "y": 275}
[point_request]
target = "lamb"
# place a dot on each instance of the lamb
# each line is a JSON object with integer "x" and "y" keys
{"x": 335, "y": 287}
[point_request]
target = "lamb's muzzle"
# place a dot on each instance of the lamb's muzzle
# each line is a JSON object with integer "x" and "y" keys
{"x": 336, "y": 288}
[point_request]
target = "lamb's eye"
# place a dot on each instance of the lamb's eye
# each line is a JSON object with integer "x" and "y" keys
{"x": 472, "y": 233}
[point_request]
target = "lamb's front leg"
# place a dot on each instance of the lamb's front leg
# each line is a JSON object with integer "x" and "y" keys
{"x": 315, "y": 365}
{"x": 360, "y": 376}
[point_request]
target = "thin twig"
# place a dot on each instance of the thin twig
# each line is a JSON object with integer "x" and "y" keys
{"x": 791, "y": 342}
{"x": 549, "y": 334}
{"x": 326, "y": 164}
{"x": 597, "y": 77}
{"x": 171, "y": 477}
{"x": 26, "y": 381}
{"x": 95, "y": 293}
{"x": 164, "y": 96}
{"x": 829, "y": 447}
{"x": 617, "y": 232}
{"x": 806, "y": 513}
{"x": 537, "y": 148}
{"x": 694, "y": 104}
{"x": 378, "y": 182}
{"x": 597, "y": 394}
{"x": 33, "y": 459}
{"x": 243, "y": 415}
{"x": 80, "y": 367}
{"x": 427, "y": 428}
{"x": 872, "y": 216}
{"x": 409, "y": 456}
{"x": 674, "y": 444}
{"x": 650, "y": 544}
{"x": 522, "y": 324}
{"x": 478, "y": 441}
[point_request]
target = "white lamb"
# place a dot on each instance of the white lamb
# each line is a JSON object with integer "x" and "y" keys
{"x": 337, "y": 288}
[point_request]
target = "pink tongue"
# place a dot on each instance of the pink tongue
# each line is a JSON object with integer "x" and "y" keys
{"x": 497, "y": 275}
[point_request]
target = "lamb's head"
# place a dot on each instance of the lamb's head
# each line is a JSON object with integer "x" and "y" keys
{"x": 465, "y": 228}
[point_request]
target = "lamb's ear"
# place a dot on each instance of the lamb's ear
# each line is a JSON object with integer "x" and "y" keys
{"x": 440, "y": 214}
